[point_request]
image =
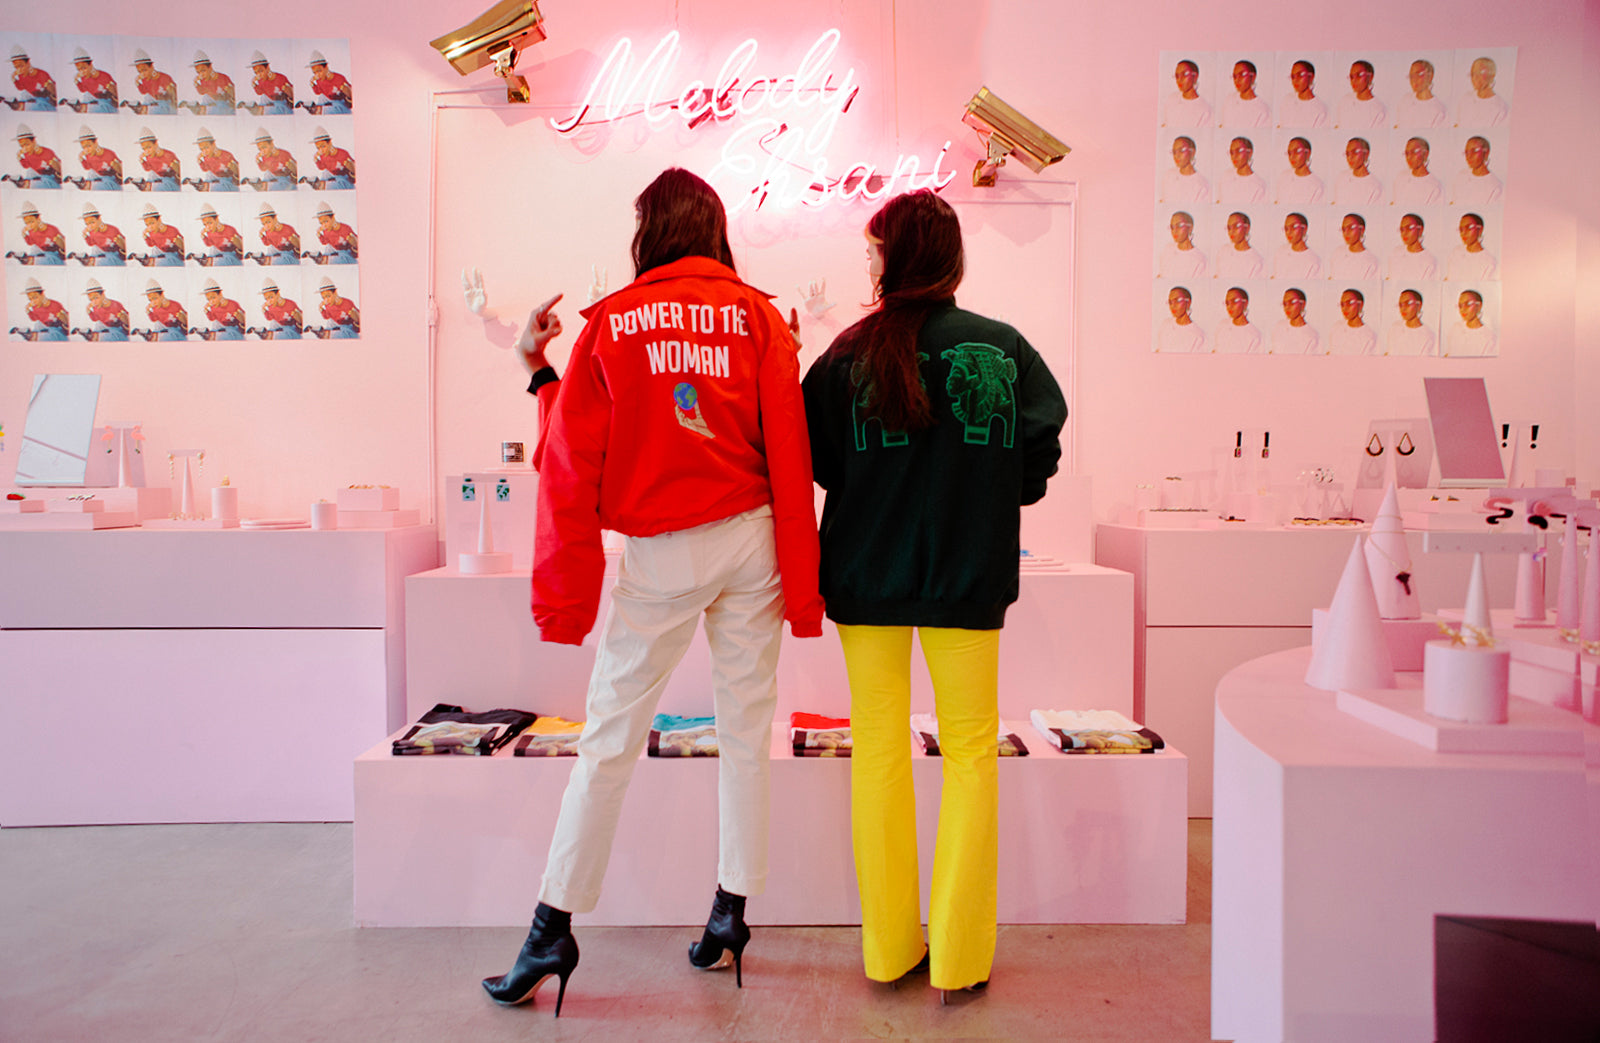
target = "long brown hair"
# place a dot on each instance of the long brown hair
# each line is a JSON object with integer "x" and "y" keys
{"x": 679, "y": 216}
{"x": 923, "y": 262}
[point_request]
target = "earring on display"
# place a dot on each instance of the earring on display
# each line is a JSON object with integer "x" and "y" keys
{"x": 1375, "y": 445}
{"x": 1406, "y": 446}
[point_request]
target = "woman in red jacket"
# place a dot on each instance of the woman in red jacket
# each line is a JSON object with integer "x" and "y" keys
{"x": 680, "y": 425}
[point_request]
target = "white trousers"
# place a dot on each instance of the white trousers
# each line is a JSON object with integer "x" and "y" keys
{"x": 727, "y": 570}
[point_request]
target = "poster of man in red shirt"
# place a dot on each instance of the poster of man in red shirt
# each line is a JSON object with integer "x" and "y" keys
{"x": 107, "y": 316}
{"x": 96, "y": 88}
{"x": 36, "y": 166}
{"x": 32, "y": 89}
{"x": 331, "y": 91}
{"x": 340, "y": 316}
{"x": 40, "y": 315}
{"x": 152, "y": 91}
{"x": 274, "y": 94}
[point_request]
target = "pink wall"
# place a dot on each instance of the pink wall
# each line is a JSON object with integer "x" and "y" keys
{"x": 292, "y": 423}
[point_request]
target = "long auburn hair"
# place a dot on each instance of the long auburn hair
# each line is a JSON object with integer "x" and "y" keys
{"x": 679, "y": 216}
{"x": 923, "y": 262}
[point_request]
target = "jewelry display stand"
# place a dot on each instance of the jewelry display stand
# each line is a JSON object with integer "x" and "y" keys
{"x": 189, "y": 515}
{"x": 487, "y": 561}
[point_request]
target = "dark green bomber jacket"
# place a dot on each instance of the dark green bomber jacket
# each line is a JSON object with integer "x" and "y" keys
{"x": 922, "y": 529}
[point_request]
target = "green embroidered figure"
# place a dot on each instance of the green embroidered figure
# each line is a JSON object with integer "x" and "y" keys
{"x": 861, "y": 405}
{"x": 982, "y": 386}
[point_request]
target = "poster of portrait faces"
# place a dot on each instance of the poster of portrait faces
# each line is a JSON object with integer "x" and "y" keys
{"x": 175, "y": 189}
{"x": 1331, "y": 202}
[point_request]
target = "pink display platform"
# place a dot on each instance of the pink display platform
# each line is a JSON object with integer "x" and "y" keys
{"x": 200, "y": 676}
{"x": 1531, "y": 728}
{"x": 68, "y": 521}
{"x": 446, "y": 841}
{"x": 1335, "y": 845}
{"x": 1207, "y": 600}
{"x": 1067, "y": 644}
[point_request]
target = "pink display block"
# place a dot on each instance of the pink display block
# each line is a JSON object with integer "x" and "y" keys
{"x": 385, "y": 519}
{"x": 69, "y": 521}
{"x": 68, "y": 505}
{"x": 375, "y": 499}
{"x": 189, "y": 725}
{"x": 1558, "y": 688}
{"x": 1336, "y": 843}
{"x": 1067, "y": 643}
{"x": 228, "y": 676}
{"x": 1406, "y": 637}
{"x": 1084, "y": 839}
{"x": 21, "y": 506}
{"x": 1530, "y": 728}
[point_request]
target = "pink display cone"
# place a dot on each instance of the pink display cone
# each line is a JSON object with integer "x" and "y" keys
{"x": 1388, "y": 558}
{"x": 1530, "y": 582}
{"x": 1477, "y": 610}
{"x": 1568, "y": 593}
{"x": 1589, "y": 618}
{"x": 1353, "y": 652}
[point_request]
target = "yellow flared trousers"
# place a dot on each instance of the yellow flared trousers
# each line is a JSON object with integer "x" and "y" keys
{"x": 964, "y": 666}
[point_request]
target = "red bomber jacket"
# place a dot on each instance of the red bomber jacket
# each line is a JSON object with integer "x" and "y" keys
{"x": 681, "y": 405}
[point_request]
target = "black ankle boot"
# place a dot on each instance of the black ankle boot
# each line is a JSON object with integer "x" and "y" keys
{"x": 725, "y": 938}
{"x": 550, "y": 949}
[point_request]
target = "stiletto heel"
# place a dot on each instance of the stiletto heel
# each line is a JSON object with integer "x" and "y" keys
{"x": 550, "y": 951}
{"x": 977, "y": 987}
{"x": 725, "y": 937}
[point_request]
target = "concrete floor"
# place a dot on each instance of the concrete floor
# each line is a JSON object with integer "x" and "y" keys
{"x": 242, "y": 932}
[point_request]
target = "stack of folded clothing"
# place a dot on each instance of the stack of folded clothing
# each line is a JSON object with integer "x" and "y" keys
{"x": 549, "y": 737}
{"x": 674, "y": 736}
{"x": 1094, "y": 731}
{"x": 925, "y": 727}
{"x": 450, "y": 729}
{"x": 814, "y": 735}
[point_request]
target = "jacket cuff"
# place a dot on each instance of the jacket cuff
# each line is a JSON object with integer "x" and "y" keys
{"x": 805, "y": 628}
{"x": 561, "y": 635}
{"x": 541, "y": 377}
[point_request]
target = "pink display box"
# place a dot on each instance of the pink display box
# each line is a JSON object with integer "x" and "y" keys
{"x": 67, "y": 505}
{"x": 379, "y": 499}
{"x": 385, "y": 519}
{"x": 21, "y": 506}
{"x": 69, "y": 520}
{"x": 1084, "y": 839}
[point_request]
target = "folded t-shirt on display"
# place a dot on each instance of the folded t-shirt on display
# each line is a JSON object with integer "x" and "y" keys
{"x": 925, "y": 728}
{"x": 1094, "y": 731}
{"x": 450, "y": 729}
{"x": 813, "y": 735}
{"x": 674, "y": 736}
{"x": 549, "y": 737}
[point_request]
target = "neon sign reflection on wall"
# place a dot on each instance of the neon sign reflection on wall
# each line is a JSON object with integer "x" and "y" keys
{"x": 784, "y": 123}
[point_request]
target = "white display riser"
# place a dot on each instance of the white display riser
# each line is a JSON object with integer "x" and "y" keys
{"x": 199, "y": 676}
{"x": 1207, "y": 600}
{"x": 461, "y": 841}
{"x": 1067, "y": 644}
{"x": 186, "y": 725}
{"x": 1336, "y": 844}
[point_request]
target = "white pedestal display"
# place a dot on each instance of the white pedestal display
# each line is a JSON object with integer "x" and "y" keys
{"x": 1463, "y": 683}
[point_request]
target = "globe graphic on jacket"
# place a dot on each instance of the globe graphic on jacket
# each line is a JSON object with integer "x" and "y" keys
{"x": 686, "y": 397}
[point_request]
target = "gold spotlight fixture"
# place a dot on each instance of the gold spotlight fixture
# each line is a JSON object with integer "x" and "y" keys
{"x": 1005, "y": 132}
{"x": 495, "y": 38}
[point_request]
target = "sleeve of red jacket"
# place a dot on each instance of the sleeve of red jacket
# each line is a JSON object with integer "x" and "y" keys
{"x": 569, "y": 561}
{"x": 783, "y": 426}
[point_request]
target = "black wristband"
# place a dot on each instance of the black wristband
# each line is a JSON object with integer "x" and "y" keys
{"x": 541, "y": 377}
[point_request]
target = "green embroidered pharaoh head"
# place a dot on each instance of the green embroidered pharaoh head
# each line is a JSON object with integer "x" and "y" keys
{"x": 982, "y": 387}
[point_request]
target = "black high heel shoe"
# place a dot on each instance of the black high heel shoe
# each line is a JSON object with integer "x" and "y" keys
{"x": 725, "y": 938}
{"x": 549, "y": 950}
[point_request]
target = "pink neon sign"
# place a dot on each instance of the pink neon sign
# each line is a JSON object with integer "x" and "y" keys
{"x": 785, "y": 123}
